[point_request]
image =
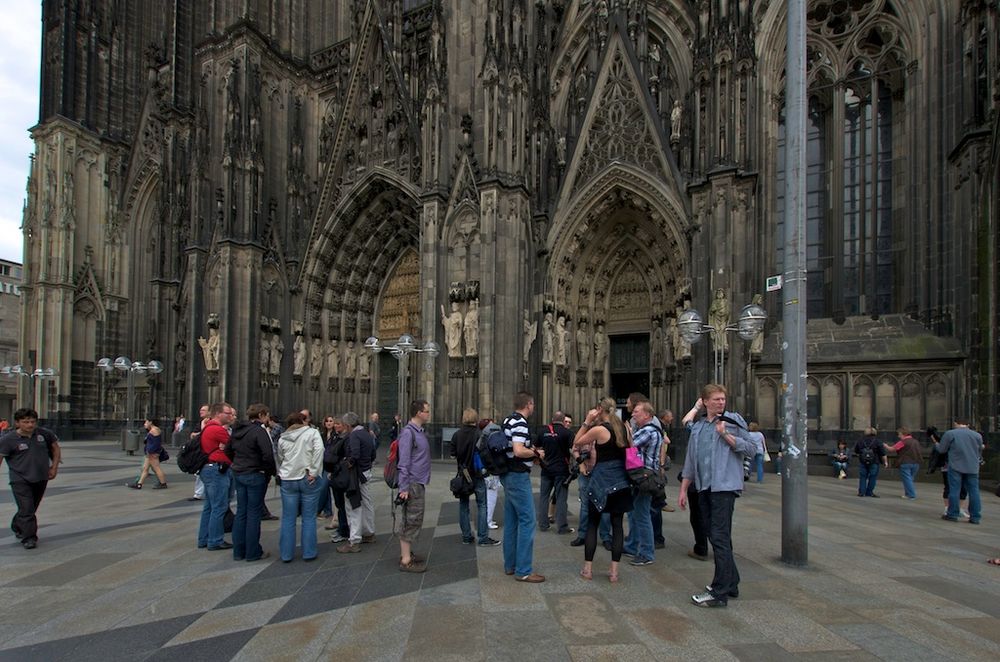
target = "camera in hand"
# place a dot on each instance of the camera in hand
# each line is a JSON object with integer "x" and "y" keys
{"x": 583, "y": 456}
{"x": 399, "y": 500}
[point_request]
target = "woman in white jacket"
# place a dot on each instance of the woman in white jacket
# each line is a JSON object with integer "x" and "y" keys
{"x": 300, "y": 465}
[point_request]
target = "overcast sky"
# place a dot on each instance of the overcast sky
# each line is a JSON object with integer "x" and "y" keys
{"x": 20, "y": 51}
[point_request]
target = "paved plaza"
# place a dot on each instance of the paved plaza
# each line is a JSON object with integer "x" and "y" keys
{"x": 116, "y": 576}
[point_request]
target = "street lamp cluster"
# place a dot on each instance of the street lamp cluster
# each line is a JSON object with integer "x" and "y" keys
{"x": 749, "y": 325}
{"x": 130, "y": 440}
{"x": 32, "y": 375}
{"x": 401, "y": 351}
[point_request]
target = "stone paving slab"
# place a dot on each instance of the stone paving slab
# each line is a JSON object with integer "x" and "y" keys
{"x": 117, "y": 576}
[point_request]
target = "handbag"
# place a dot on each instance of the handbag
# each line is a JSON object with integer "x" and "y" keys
{"x": 164, "y": 455}
{"x": 767, "y": 456}
{"x": 461, "y": 485}
{"x": 633, "y": 460}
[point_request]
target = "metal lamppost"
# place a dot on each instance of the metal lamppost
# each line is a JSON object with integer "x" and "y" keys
{"x": 130, "y": 439}
{"x": 401, "y": 350}
{"x": 748, "y": 326}
{"x": 32, "y": 375}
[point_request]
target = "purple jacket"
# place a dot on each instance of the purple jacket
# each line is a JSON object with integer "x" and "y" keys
{"x": 414, "y": 457}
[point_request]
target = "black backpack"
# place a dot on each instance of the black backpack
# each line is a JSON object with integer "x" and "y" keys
{"x": 867, "y": 454}
{"x": 492, "y": 451}
{"x": 192, "y": 458}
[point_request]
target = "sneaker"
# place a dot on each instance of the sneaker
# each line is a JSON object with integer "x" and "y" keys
{"x": 578, "y": 542}
{"x": 533, "y": 578}
{"x": 30, "y": 543}
{"x": 950, "y": 519}
{"x": 365, "y": 540}
{"x": 735, "y": 593}
{"x": 336, "y": 537}
{"x": 413, "y": 566}
{"x": 667, "y": 508}
{"x": 195, "y": 498}
{"x": 659, "y": 545}
{"x": 607, "y": 545}
{"x": 134, "y": 485}
{"x": 349, "y": 549}
{"x": 963, "y": 514}
{"x": 467, "y": 541}
{"x": 222, "y": 545}
{"x": 568, "y": 529}
{"x": 707, "y": 600}
{"x": 160, "y": 486}
{"x": 489, "y": 542}
{"x": 695, "y": 555}
{"x": 265, "y": 555}
{"x": 494, "y": 525}
{"x": 640, "y": 561}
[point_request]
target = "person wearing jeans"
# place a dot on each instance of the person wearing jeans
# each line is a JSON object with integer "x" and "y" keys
{"x": 870, "y": 455}
{"x": 215, "y": 474}
{"x": 463, "y": 448}
{"x": 300, "y": 464}
{"x": 556, "y": 441}
{"x": 908, "y": 452}
{"x": 519, "y": 502}
{"x": 253, "y": 465}
{"x": 647, "y": 438}
{"x": 965, "y": 452}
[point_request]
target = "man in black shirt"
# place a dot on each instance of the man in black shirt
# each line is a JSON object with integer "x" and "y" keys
{"x": 556, "y": 441}
{"x": 32, "y": 455}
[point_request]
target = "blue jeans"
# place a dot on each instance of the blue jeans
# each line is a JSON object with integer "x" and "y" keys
{"x": 639, "y": 542}
{"x": 906, "y": 474}
{"x": 970, "y": 483}
{"x": 840, "y": 466}
{"x": 324, "y": 501}
{"x": 250, "y": 488}
{"x": 215, "y": 506}
{"x": 867, "y": 477}
{"x": 482, "y": 528}
{"x": 518, "y": 522}
{"x": 604, "y": 528}
{"x": 296, "y": 494}
{"x": 759, "y": 462}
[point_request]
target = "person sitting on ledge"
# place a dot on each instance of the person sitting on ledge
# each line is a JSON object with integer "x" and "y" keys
{"x": 841, "y": 459}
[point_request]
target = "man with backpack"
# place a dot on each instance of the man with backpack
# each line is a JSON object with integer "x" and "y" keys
{"x": 556, "y": 441}
{"x": 870, "y": 455}
{"x": 519, "y": 505}
{"x": 414, "y": 475}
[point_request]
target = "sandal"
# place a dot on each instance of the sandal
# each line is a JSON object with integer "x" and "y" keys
{"x": 613, "y": 577}
{"x": 587, "y": 574}
{"x": 993, "y": 561}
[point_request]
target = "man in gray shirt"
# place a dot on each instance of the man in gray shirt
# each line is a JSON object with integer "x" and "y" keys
{"x": 718, "y": 442}
{"x": 964, "y": 448}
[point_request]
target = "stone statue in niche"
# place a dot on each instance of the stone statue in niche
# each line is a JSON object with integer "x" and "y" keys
{"x": 210, "y": 348}
{"x": 582, "y": 345}
{"x": 452, "y": 324}
{"x": 718, "y": 319}
{"x": 668, "y": 345}
{"x": 561, "y": 151}
{"x": 265, "y": 354}
{"x": 364, "y": 362}
{"x": 757, "y": 344}
{"x": 350, "y": 361}
{"x": 682, "y": 348}
{"x": 656, "y": 345}
{"x": 600, "y": 347}
{"x": 530, "y": 331}
{"x": 562, "y": 341}
{"x": 470, "y": 329}
{"x": 277, "y": 353}
{"x": 548, "y": 338}
{"x": 316, "y": 358}
{"x": 298, "y": 355}
{"x": 333, "y": 358}
{"x": 676, "y": 115}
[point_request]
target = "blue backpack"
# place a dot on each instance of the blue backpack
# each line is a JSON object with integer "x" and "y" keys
{"x": 491, "y": 451}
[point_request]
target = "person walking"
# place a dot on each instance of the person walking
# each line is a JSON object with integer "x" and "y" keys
{"x": 33, "y": 456}
{"x": 300, "y": 463}
{"x": 153, "y": 453}
{"x": 760, "y": 449}
{"x": 608, "y": 490}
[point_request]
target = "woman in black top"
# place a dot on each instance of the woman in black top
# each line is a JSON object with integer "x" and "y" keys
{"x": 609, "y": 490}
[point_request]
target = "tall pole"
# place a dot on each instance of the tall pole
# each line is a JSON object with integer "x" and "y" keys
{"x": 794, "y": 497}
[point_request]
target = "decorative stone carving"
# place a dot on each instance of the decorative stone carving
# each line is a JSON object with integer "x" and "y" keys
{"x": 333, "y": 358}
{"x": 582, "y": 345}
{"x": 682, "y": 348}
{"x": 600, "y": 348}
{"x": 277, "y": 353}
{"x": 757, "y": 345}
{"x": 656, "y": 345}
{"x": 530, "y": 331}
{"x": 548, "y": 338}
{"x": 298, "y": 355}
{"x": 452, "y": 324}
{"x": 364, "y": 363}
{"x": 718, "y": 319}
{"x": 210, "y": 348}
{"x": 350, "y": 362}
{"x": 676, "y": 116}
{"x": 470, "y": 329}
{"x": 316, "y": 358}
{"x": 562, "y": 341}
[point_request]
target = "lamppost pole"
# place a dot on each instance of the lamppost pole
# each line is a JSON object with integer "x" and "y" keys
{"x": 748, "y": 326}
{"x": 131, "y": 368}
{"x": 794, "y": 495}
{"x": 32, "y": 375}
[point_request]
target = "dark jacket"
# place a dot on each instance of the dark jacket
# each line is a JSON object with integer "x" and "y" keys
{"x": 463, "y": 445}
{"x": 360, "y": 448}
{"x": 875, "y": 445}
{"x": 556, "y": 443}
{"x": 334, "y": 451}
{"x": 251, "y": 449}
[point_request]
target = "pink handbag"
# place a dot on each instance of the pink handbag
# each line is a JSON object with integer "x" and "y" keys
{"x": 633, "y": 460}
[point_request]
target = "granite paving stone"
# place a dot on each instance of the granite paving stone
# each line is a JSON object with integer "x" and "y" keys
{"x": 117, "y": 576}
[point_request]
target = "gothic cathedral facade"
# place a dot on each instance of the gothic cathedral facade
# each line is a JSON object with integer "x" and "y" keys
{"x": 247, "y": 190}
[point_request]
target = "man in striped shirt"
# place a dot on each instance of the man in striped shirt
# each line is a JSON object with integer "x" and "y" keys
{"x": 519, "y": 504}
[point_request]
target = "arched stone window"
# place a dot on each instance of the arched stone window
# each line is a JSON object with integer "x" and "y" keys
{"x": 862, "y": 403}
{"x": 885, "y": 404}
{"x": 832, "y": 404}
{"x": 911, "y": 411}
{"x": 813, "y": 404}
{"x": 856, "y": 117}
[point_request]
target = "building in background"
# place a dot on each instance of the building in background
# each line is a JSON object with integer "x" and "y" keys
{"x": 10, "y": 330}
{"x": 245, "y": 192}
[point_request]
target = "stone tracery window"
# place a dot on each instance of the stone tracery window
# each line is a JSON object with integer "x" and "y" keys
{"x": 856, "y": 61}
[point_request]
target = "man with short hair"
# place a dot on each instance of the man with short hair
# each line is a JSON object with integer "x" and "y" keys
{"x": 718, "y": 442}
{"x": 215, "y": 474}
{"x": 359, "y": 449}
{"x": 965, "y": 450}
{"x": 414, "y": 466}
{"x": 199, "y": 486}
{"x": 519, "y": 504}
{"x": 32, "y": 455}
{"x": 556, "y": 441}
{"x": 373, "y": 427}
{"x": 648, "y": 439}
{"x": 253, "y": 466}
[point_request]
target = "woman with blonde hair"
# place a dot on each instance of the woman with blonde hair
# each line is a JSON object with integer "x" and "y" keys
{"x": 609, "y": 490}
